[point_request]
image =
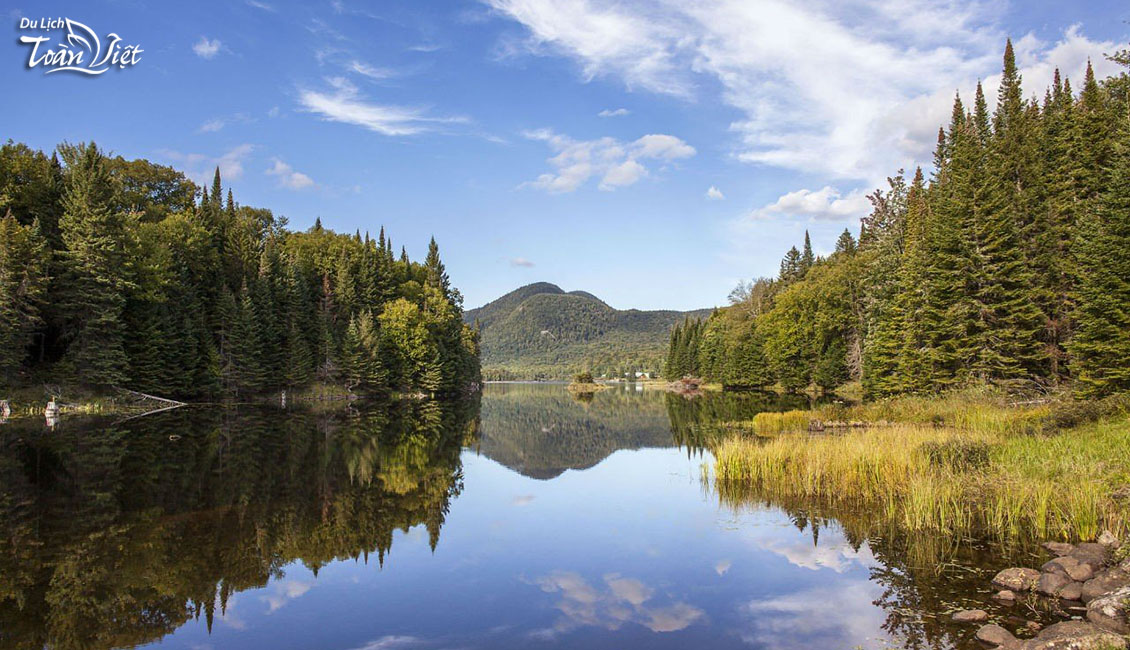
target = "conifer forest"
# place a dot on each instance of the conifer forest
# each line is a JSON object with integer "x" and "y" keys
{"x": 1005, "y": 265}
{"x": 124, "y": 273}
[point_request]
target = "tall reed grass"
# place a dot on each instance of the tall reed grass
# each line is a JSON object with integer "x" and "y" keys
{"x": 951, "y": 464}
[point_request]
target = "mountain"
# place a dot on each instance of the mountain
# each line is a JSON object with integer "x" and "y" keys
{"x": 540, "y": 331}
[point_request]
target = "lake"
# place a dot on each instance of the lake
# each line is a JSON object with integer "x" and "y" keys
{"x": 528, "y": 519}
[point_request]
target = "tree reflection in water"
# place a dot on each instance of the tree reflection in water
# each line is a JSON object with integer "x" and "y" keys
{"x": 115, "y": 536}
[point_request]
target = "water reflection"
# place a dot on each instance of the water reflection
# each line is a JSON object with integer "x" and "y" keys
{"x": 563, "y": 523}
{"x": 115, "y": 536}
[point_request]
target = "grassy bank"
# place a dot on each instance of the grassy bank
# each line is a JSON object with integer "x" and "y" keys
{"x": 970, "y": 461}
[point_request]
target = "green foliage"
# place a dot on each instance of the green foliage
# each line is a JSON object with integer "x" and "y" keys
{"x": 541, "y": 332}
{"x": 113, "y": 273}
{"x": 1007, "y": 267}
{"x": 23, "y": 287}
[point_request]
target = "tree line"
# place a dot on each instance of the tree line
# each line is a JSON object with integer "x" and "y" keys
{"x": 125, "y": 273}
{"x": 1008, "y": 265}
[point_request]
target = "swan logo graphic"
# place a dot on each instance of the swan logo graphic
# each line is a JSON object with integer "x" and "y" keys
{"x": 78, "y": 49}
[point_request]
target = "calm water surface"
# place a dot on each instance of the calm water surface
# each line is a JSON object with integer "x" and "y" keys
{"x": 530, "y": 520}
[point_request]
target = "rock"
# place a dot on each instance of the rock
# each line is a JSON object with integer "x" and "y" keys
{"x": 996, "y": 636}
{"x": 1049, "y": 584}
{"x": 1005, "y": 596}
{"x": 1033, "y": 625}
{"x": 1075, "y": 635}
{"x": 1108, "y": 539}
{"x": 1072, "y": 591}
{"x": 1070, "y": 567}
{"x": 971, "y": 616}
{"x": 1090, "y": 553}
{"x": 1104, "y": 583}
{"x": 1017, "y": 579}
{"x": 1059, "y": 548}
{"x": 1111, "y": 611}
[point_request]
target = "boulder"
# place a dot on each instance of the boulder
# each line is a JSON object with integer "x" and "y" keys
{"x": 1104, "y": 583}
{"x": 1111, "y": 611}
{"x": 1059, "y": 548}
{"x": 971, "y": 616}
{"x": 1049, "y": 584}
{"x": 1070, "y": 567}
{"x": 1017, "y": 579}
{"x": 1090, "y": 553}
{"x": 1005, "y": 596}
{"x": 996, "y": 636}
{"x": 1075, "y": 635}
{"x": 1108, "y": 539}
{"x": 1072, "y": 591}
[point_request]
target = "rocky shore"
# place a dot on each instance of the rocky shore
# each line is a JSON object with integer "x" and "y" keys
{"x": 1092, "y": 584}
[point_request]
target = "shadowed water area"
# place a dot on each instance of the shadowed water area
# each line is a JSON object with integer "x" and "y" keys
{"x": 527, "y": 519}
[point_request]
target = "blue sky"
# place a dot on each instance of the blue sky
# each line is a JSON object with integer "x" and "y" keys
{"x": 575, "y": 142}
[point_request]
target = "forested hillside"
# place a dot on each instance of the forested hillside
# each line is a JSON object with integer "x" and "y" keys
{"x": 125, "y": 273}
{"x": 541, "y": 332}
{"x": 1007, "y": 264}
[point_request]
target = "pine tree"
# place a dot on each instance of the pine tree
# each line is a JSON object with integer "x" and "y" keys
{"x": 807, "y": 259}
{"x": 95, "y": 266}
{"x": 911, "y": 303}
{"x": 23, "y": 288}
{"x": 1101, "y": 345}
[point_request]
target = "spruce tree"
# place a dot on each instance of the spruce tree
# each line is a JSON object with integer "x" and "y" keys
{"x": 95, "y": 270}
{"x": 23, "y": 288}
{"x": 1101, "y": 345}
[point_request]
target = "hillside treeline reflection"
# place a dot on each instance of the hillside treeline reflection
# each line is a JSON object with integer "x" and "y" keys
{"x": 116, "y": 535}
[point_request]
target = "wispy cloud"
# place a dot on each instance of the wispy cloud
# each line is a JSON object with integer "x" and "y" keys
{"x": 617, "y": 164}
{"x": 260, "y": 5}
{"x": 199, "y": 167}
{"x": 207, "y": 49}
{"x": 524, "y": 263}
{"x": 288, "y": 177}
{"x": 618, "y": 601}
{"x": 216, "y": 124}
{"x": 391, "y": 641}
{"x": 714, "y": 194}
{"x": 345, "y": 104}
{"x": 619, "y": 112}
{"x": 371, "y": 71}
{"x": 846, "y": 92}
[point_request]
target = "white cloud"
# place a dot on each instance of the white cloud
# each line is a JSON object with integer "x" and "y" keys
{"x": 847, "y": 92}
{"x": 211, "y": 126}
{"x": 823, "y": 204}
{"x": 206, "y": 49}
{"x": 617, "y": 164}
{"x": 391, "y": 641}
{"x": 800, "y": 620}
{"x": 200, "y": 167}
{"x": 523, "y": 262}
{"x": 285, "y": 591}
{"x": 370, "y": 71}
{"x": 620, "y": 600}
{"x": 260, "y": 5}
{"x": 215, "y": 124}
{"x": 715, "y": 194}
{"x": 288, "y": 177}
{"x": 344, "y": 104}
{"x": 619, "y": 112}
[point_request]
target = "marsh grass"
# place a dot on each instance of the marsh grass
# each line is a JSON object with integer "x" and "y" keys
{"x": 956, "y": 464}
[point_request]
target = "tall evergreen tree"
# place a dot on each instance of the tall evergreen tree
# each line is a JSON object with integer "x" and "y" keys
{"x": 96, "y": 270}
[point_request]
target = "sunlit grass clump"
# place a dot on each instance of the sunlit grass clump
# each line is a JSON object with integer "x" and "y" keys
{"x": 952, "y": 464}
